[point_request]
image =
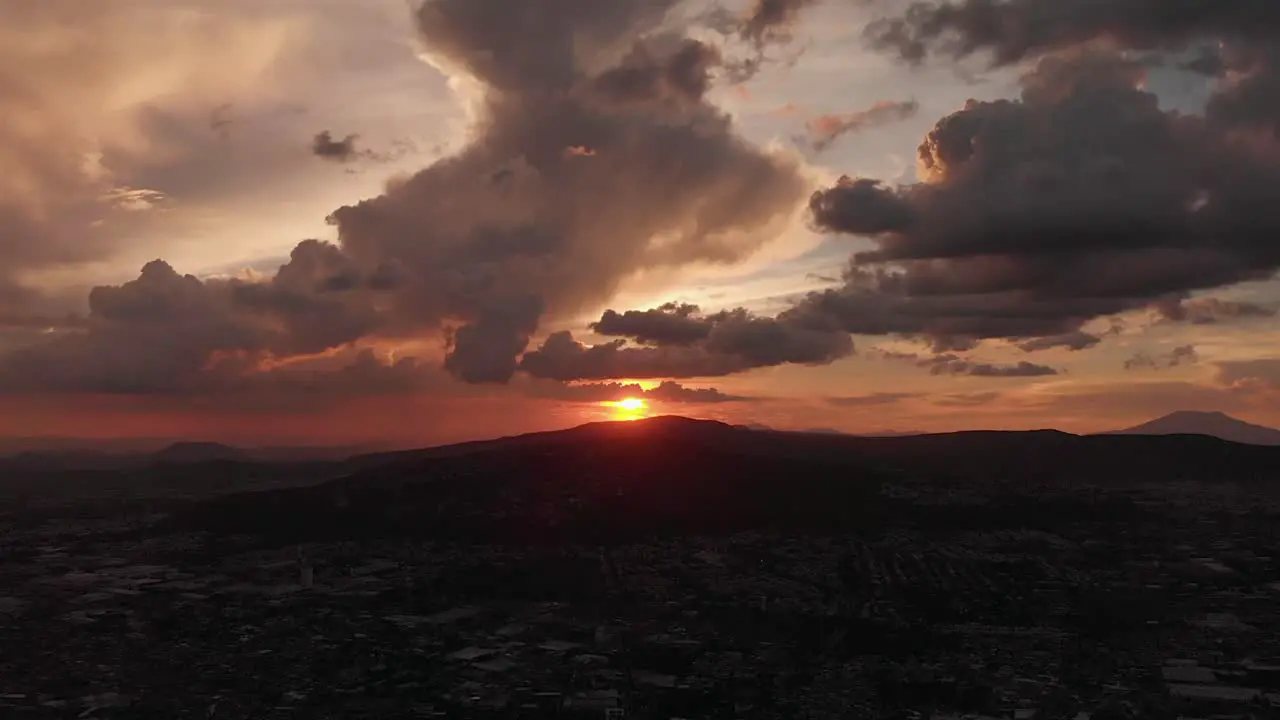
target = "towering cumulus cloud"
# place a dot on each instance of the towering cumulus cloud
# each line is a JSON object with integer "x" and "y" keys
{"x": 1083, "y": 197}
{"x": 594, "y": 154}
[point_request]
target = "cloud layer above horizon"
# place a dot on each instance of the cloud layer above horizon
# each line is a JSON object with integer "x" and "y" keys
{"x": 1082, "y": 217}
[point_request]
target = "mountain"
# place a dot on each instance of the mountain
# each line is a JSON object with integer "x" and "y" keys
{"x": 1213, "y": 424}
{"x": 618, "y": 481}
{"x": 189, "y": 453}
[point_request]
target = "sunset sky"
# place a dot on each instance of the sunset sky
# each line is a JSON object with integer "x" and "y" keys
{"x": 348, "y": 221}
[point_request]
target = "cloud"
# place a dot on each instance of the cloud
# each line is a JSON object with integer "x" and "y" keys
{"x": 665, "y": 392}
{"x": 1263, "y": 373}
{"x": 772, "y": 20}
{"x": 954, "y": 365}
{"x": 83, "y": 86}
{"x": 669, "y": 324}
{"x": 1238, "y": 42}
{"x": 819, "y": 277}
{"x": 166, "y": 333}
{"x": 1181, "y": 355}
{"x": 766, "y": 24}
{"x": 1210, "y": 310}
{"x": 346, "y": 150}
{"x": 324, "y": 146}
{"x": 964, "y": 400}
{"x": 677, "y": 341}
{"x": 673, "y": 71}
{"x": 824, "y": 130}
{"x": 508, "y": 232}
{"x": 1079, "y": 200}
{"x": 1018, "y": 29}
{"x": 486, "y": 245}
{"x": 882, "y": 398}
{"x": 1074, "y": 340}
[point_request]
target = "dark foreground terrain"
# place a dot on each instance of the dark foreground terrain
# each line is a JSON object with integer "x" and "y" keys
{"x": 670, "y": 568}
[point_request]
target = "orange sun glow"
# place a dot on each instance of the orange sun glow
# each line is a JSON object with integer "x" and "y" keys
{"x": 627, "y": 409}
{"x": 631, "y": 404}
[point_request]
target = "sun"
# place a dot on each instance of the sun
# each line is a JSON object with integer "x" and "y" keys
{"x": 626, "y": 409}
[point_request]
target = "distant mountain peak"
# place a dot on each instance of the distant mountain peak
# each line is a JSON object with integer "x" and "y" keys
{"x": 196, "y": 452}
{"x": 1206, "y": 414}
{"x": 1213, "y": 423}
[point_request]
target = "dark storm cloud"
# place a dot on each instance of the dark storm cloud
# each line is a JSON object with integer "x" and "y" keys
{"x": 593, "y": 139}
{"x": 826, "y": 129}
{"x": 1181, "y": 355}
{"x": 1234, "y": 39}
{"x": 1080, "y": 199}
{"x": 1013, "y": 30}
{"x": 682, "y": 343}
{"x": 862, "y": 206}
{"x": 648, "y": 75}
{"x": 665, "y": 392}
{"x": 669, "y": 324}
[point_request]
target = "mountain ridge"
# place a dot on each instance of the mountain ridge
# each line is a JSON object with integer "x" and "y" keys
{"x": 1211, "y": 423}
{"x": 664, "y": 475}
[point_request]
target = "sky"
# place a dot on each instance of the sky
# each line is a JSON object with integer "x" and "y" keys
{"x": 414, "y": 222}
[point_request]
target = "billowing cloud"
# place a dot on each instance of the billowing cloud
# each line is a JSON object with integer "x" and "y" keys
{"x": 677, "y": 341}
{"x": 824, "y": 130}
{"x": 1080, "y": 199}
{"x": 169, "y": 333}
{"x": 511, "y": 230}
{"x": 485, "y": 245}
{"x": 670, "y": 324}
{"x": 1238, "y": 42}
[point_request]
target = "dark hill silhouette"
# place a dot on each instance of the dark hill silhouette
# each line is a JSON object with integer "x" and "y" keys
{"x": 1213, "y": 424}
{"x": 49, "y": 461}
{"x": 614, "y": 481}
{"x": 189, "y": 453}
